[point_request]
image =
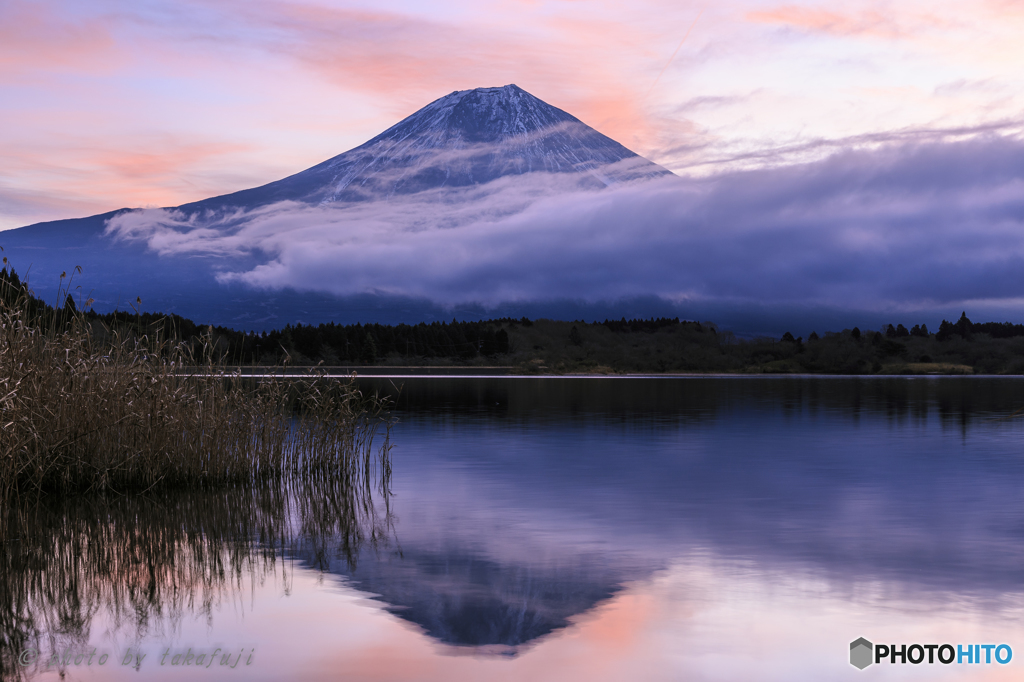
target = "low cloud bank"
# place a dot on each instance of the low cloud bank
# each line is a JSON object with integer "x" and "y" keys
{"x": 901, "y": 228}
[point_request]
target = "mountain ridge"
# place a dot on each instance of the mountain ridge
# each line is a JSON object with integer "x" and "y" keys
{"x": 457, "y": 140}
{"x": 542, "y": 137}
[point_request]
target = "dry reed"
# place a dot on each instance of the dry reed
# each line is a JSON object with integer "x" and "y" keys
{"x": 140, "y": 564}
{"x": 133, "y": 412}
{"x": 250, "y": 471}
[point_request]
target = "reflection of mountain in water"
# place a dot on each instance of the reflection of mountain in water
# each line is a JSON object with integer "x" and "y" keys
{"x": 901, "y": 483}
{"x": 523, "y": 504}
{"x": 912, "y": 484}
{"x": 469, "y": 600}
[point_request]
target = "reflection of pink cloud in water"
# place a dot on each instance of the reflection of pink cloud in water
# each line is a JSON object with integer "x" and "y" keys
{"x": 700, "y": 619}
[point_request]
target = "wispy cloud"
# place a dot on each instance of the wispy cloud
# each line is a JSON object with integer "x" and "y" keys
{"x": 852, "y": 21}
{"x": 33, "y": 37}
{"x": 797, "y": 152}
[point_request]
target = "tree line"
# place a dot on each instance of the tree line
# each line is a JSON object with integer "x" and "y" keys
{"x": 625, "y": 345}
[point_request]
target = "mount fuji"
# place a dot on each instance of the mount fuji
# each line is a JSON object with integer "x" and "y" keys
{"x": 297, "y": 250}
{"x": 491, "y": 203}
{"x": 467, "y": 138}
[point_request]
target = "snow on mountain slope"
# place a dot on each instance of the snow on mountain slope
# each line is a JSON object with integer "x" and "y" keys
{"x": 467, "y": 138}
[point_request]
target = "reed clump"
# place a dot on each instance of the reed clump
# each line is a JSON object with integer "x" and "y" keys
{"x": 137, "y": 565}
{"x": 133, "y": 411}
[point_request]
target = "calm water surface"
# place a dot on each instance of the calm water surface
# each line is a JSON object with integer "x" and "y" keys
{"x": 599, "y": 529}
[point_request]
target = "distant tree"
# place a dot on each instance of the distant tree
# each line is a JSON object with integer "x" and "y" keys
{"x": 901, "y": 331}
{"x": 813, "y": 337}
{"x": 964, "y": 326}
{"x": 574, "y": 336}
{"x": 369, "y": 355}
{"x": 997, "y": 330}
{"x": 501, "y": 342}
{"x": 855, "y": 333}
{"x": 485, "y": 341}
{"x": 890, "y": 347}
{"x": 890, "y": 331}
{"x": 947, "y": 330}
{"x": 788, "y": 338}
{"x": 924, "y": 330}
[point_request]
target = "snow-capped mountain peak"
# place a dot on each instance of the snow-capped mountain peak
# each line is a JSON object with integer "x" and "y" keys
{"x": 466, "y": 138}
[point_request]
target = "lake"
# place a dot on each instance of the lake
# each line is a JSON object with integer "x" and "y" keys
{"x": 573, "y": 528}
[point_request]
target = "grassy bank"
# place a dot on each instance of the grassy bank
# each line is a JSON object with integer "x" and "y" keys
{"x": 142, "y": 563}
{"x": 133, "y": 411}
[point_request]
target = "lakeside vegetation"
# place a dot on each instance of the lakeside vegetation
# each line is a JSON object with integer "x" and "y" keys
{"x": 524, "y": 346}
{"x": 614, "y": 346}
{"x": 93, "y": 408}
{"x": 144, "y": 563}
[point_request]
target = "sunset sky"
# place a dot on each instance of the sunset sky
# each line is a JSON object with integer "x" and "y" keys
{"x": 154, "y": 103}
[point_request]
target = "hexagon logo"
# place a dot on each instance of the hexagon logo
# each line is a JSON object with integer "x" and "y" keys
{"x": 860, "y": 653}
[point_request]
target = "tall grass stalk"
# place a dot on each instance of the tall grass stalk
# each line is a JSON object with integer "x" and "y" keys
{"x": 135, "y": 411}
{"x": 141, "y": 564}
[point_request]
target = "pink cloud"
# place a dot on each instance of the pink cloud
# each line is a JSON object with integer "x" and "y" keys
{"x": 160, "y": 164}
{"x": 887, "y": 24}
{"x": 34, "y": 36}
{"x": 582, "y": 65}
{"x": 101, "y": 177}
{"x": 1005, "y": 7}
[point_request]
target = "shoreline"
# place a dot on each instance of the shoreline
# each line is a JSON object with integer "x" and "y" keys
{"x": 429, "y": 372}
